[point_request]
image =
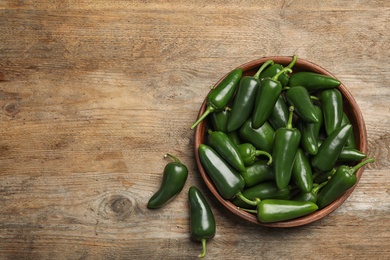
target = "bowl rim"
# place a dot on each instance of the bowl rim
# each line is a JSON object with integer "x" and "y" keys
{"x": 360, "y": 138}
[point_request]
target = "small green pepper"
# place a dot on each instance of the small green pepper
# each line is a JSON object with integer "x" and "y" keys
{"x": 285, "y": 146}
{"x": 266, "y": 97}
{"x": 300, "y": 98}
{"x": 348, "y": 154}
{"x": 313, "y": 81}
{"x": 310, "y": 133}
{"x": 174, "y": 178}
{"x": 221, "y": 95}
{"x": 330, "y": 149}
{"x": 244, "y": 99}
{"x": 332, "y": 109}
{"x": 343, "y": 179}
{"x": 279, "y": 115}
{"x": 262, "y": 138}
{"x": 202, "y": 221}
{"x": 219, "y": 120}
{"x": 249, "y": 153}
{"x": 301, "y": 172}
{"x": 258, "y": 172}
{"x": 275, "y": 69}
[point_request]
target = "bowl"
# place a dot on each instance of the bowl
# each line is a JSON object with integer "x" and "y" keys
{"x": 352, "y": 110}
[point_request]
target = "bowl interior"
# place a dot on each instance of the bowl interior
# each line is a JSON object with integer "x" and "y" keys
{"x": 351, "y": 108}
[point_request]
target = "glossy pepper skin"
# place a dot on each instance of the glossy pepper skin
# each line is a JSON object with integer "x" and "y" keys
{"x": 244, "y": 99}
{"x": 300, "y": 98}
{"x": 202, "y": 221}
{"x": 310, "y": 133}
{"x": 220, "y": 96}
{"x": 332, "y": 109}
{"x": 275, "y": 69}
{"x": 262, "y": 138}
{"x": 349, "y": 154}
{"x": 279, "y": 115}
{"x": 286, "y": 143}
{"x": 351, "y": 137}
{"x": 301, "y": 172}
{"x": 249, "y": 153}
{"x": 226, "y": 179}
{"x": 266, "y": 97}
{"x": 258, "y": 172}
{"x": 222, "y": 143}
{"x": 330, "y": 149}
{"x": 343, "y": 179}
{"x": 219, "y": 120}
{"x": 312, "y": 81}
{"x": 174, "y": 177}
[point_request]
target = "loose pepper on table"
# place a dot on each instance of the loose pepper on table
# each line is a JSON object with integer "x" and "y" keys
{"x": 249, "y": 153}
{"x": 258, "y": 172}
{"x": 266, "y": 97}
{"x": 299, "y": 97}
{"x": 285, "y": 146}
{"x": 312, "y": 81}
{"x": 244, "y": 99}
{"x": 202, "y": 221}
{"x": 310, "y": 132}
{"x": 174, "y": 177}
{"x": 275, "y": 69}
{"x": 343, "y": 179}
{"x": 262, "y": 138}
{"x": 332, "y": 109}
{"x": 301, "y": 172}
{"x": 221, "y": 95}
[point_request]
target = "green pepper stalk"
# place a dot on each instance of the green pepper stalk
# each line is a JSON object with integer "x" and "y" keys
{"x": 262, "y": 138}
{"x": 286, "y": 143}
{"x": 258, "y": 172}
{"x": 313, "y": 81}
{"x": 300, "y": 98}
{"x": 244, "y": 99}
{"x": 332, "y": 109}
{"x": 311, "y": 195}
{"x": 174, "y": 177}
{"x": 266, "y": 97}
{"x": 249, "y": 153}
{"x": 275, "y": 69}
{"x": 202, "y": 221}
{"x": 222, "y": 143}
{"x": 310, "y": 132}
{"x": 343, "y": 179}
{"x": 330, "y": 149}
{"x": 301, "y": 172}
{"x": 221, "y": 95}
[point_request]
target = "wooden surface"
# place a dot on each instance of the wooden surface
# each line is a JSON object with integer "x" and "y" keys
{"x": 94, "y": 93}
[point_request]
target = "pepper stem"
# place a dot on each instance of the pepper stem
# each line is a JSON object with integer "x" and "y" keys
{"x": 290, "y": 117}
{"x": 265, "y": 64}
{"x": 248, "y": 210}
{"x": 317, "y": 188}
{"x": 292, "y": 63}
{"x": 361, "y": 164}
{"x": 203, "y": 254}
{"x": 209, "y": 110}
{"x": 173, "y": 157}
{"x": 246, "y": 200}
{"x": 259, "y": 152}
{"x": 284, "y": 70}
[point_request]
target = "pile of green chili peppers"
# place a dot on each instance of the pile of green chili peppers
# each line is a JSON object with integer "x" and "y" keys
{"x": 279, "y": 143}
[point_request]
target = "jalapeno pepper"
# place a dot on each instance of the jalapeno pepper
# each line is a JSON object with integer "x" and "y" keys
{"x": 279, "y": 115}
{"x": 312, "y": 195}
{"x": 300, "y": 98}
{"x": 202, "y": 221}
{"x": 330, "y": 149}
{"x": 262, "y": 138}
{"x": 275, "y": 69}
{"x": 174, "y": 177}
{"x": 332, "y": 109}
{"x": 258, "y": 172}
{"x": 351, "y": 137}
{"x": 249, "y": 153}
{"x": 286, "y": 143}
{"x": 348, "y": 154}
{"x": 312, "y": 81}
{"x": 343, "y": 179}
{"x": 219, "y": 120}
{"x": 221, "y": 95}
{"x": 266, "y": 97}
{"x": 310, "y": 133}
{"x": 301, "y": 172}
{"x": 244, "y": 99}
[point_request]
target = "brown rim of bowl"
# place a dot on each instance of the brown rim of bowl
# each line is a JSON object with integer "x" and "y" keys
{"x": 355, "y": 116}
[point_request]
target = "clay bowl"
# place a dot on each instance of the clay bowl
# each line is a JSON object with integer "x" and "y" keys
{"x": 351, "y": 108}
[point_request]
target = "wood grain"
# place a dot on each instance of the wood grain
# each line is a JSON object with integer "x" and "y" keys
{"x": 94, "y": 93}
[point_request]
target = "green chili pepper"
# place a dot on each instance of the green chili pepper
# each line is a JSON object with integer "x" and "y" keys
{"x": 235, "y": 137}
{"x": 221, "y": 95}
{"x": 310, "y": 133}
{"x": 266, "y": 97}
{"x": 312, "y": 195}
{"x": 219, "y": 120}
{"x": 300, "y": 98}
{"x": 313, "y": 81}
{"x": 174, "y": 178}
{"x": 262, "y": 138}
{"x": 285, "y": 146}
{"x": 348, "y": 154}
{"x": 279, "y": 115}
{"x": 343, "y": 179}
{"x": 275, "y": 69}
{"x": 220, "y": 142}
{"x": 301, "y": 172}
{"x": 332, "y": 109}
{"x": 202, "y": 221}
{"x": 258, "y": 172}
{"x": 265, "y": 190}
{"x": 244, "y": 99}
{"x": 249, "y": 153}
{"x": 351, "y": 137}
{"x": 330, "y": 149}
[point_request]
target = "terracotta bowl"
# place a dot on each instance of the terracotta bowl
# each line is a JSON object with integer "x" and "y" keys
{"x": 351, "y": 108}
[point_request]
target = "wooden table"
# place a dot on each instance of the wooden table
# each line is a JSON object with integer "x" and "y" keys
{"x": 94, "y": 93}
